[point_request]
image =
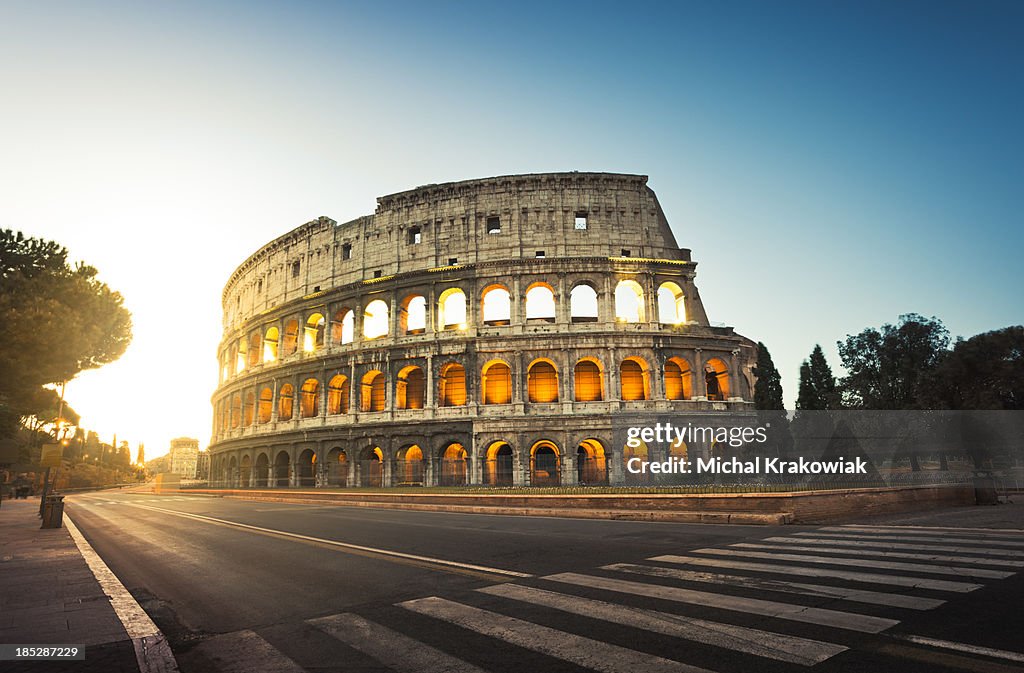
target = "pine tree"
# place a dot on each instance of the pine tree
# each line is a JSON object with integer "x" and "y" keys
{"x": 823, "y": 379}
{"x": 141, "y": 459}
{"x": 807, "y": 397}
{"x": 768, "y": 388}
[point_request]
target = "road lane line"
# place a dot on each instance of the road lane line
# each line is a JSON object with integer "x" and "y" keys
{"x": 884, "y": 554}
{"x": 586, "y": 652}
{"x": 979, "y": 543}
{"x": 395, "y": 650}
{"x": 873, "y": 578}
{"x": 152, "y": 651}
{"x": 777, "y": 646}
{"x": 964, "y": 647}
{"x": 762, "y": 584}
{"x": 924, "y": 530}
{"x": 246, "y": 651}
{"x": 863, "y": 563}
{"x": 986, "y": 553}
{"x": 797, "y": 613}
{"x": 341, "y": 545}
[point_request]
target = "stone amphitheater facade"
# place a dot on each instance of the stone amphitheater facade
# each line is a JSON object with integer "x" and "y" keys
{"x": 500, "y": 331}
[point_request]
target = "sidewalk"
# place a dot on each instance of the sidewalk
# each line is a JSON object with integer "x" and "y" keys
{"x": 49, "y": 596}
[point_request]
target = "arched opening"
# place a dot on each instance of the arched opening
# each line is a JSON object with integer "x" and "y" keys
{"x": 545, "y": 467}
{"x": 375, "y": 320}
{"x": 248, "y": 409}
{"x": 371, "y": 467}
{"x": 451, "y": 309}
{"x": 232, "y": 476}
{"x": 270, "y": 344}
{"x": 373, "y": 393}
{"x": 338, "y": 395}
{"x": 583, "y": 303}
{"x": 412, "y": 318}
{"x": 410, "y": 388}
{"x": 255, "y": 349}
{"x": 452, "y": 385}
{"x": 337, "y": 467}
{"x": 282, "y": 470}
{"x": 286, "y": 402}
{"x": 588, "y": 381}
{"x": 307, "y": 468}
{"x": 634, "y": 379}
{"x": 591, "y": 463}
{"x": 291, "y": 338}
{"x": 313, "y": 337}
{"x": 240, "y": 359}
{"x": 343, "y": 327}
{"x": 410, "y": 467}
{"x": 262, "y": 471}
{"x": 671, "y": 305}
{"x": 245, "y": 472}
{"x": 678, "y": 379}
{"x": 716, "y": 378}
{"x": 498, "y": 465}
{"x": 629, "y": 301}
{"x": 310, "y": 401}
{"x": 540, "y": 303}
{"x": 497, "y": 306}
{"x": 542, "y": 381}
{"x": 225, "y": 366}
{"x": 453, "y": 466}
{"x": 266, "y": 406}
{"x": 639, "y": 453}
{"x": 678, "y": 449}
{"x": 497, "y": 383}
{"x": 236, "y": 410}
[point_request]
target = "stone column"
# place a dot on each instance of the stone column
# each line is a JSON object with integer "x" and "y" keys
{"x": 700, "y": 387}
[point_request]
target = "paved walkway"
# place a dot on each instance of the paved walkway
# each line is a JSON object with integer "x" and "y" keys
{"x": 48, "y": 595}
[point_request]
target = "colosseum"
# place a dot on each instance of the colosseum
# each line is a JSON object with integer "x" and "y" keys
{"x": 493, "y": 332}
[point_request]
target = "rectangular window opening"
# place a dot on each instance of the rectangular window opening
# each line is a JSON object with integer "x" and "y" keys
{"x": 540, "y": 254}
{"x": 377, "y": 273}
{"x": 295, "y": 269}
{"x": 452, "y": 261}
{"x": 581, "y": 221}
{"x": 493, "y": 224}
{"x": 625, "y": 253}
{"x": 415, "y": 235}
{"x": 346, "y": 251}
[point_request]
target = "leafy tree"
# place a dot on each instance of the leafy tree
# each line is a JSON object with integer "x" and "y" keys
{"x": 817, "y": 384}
{"x": 58, "y": 321}
{"x": 885, "y": 367}
{"x": 983, "y": 372}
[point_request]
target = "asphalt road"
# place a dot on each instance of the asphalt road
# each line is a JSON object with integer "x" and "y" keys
{"x": 257, "y": 586}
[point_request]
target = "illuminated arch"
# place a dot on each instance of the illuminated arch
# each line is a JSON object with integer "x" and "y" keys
{"x": 588, "y": 381}
{"x": 540, "y": 303}
{"x": 282, "y": 469}
{"x": 270, "y": 344}
{"x": 337, "y": 467}
{"x": 410, "y": 466}
{"x": 265, "y": 410}
{"x": 453, "y": 465}
{"x": 716, "y": 379}
{"x": 255, "y": 349}
{"x": 313, "y": 336}
{"x": 583, "y": 303}
{"x": 634, "y": 379}
{"x": 451, "y": 309}
{"x": 629, "y": 301}
{"x": 678, "y": 379}
{"x": 310, "y": 399}
{"x": 373, "y": 396}
{"x": 241, "y": 352}
{"x": 496, "y": 305}
{"x": 371, "y": 467}
{"x": 671, "y": 304}
{"x": 338, "y": 395}
{"x": 498, "y": 466}
{"x": 497, "y": 382}
{"x": 412, "y": 317}
{"x": 248, "y": 409}
{"x": 545, "y": 464}
{"x": 343, "y": 327}
{"x": 591, "y": 463}
{"x": 236, "y": 410}
{"x": 410, "y": 388}
{"x": 305, "y": 468}
{"x": 375, "y": 319}
{"x": 452, "y": 385}
{"x": 245, "y": 472}
{"x": 542, "y": 381}
{"x": 630, "y": 452}
{"x": 291, "y": 338}
{"x": 286, "y": 402}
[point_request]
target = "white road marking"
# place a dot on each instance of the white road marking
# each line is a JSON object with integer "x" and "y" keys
{"x": 885, "y": 554}
{"x": 863, "y": 563}
{"x": 395, "y": 650}
{"x": 798, "y": 613}
{"x": 873, "y": 578}
{"x": 342, "y": 545}
{"x": 570, "y": 647}
{"x": 762, "y": 584}
{"x": 981, "y": 544}
{"x": 964, "y": 647}
{"x": 924, "y": 530}
{"x": 151, "y": 649}
{"x": 751, "y": 641}
{"x": 896, "y": 545}
{"x": 245, "y": 652}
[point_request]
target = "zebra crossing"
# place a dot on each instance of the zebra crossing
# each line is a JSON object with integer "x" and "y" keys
{"x": 755, "y": 604}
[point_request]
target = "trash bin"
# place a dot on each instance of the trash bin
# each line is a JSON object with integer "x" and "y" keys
{"x": 53, "y": 511}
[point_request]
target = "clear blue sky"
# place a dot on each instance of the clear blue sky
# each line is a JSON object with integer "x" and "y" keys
{"x": 832, "y": 165}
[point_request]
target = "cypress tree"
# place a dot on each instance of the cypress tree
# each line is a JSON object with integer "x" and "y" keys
{"x": 807, "y": 397}
{"x": 768, "y": 388}
{"x": 824, "y": 382}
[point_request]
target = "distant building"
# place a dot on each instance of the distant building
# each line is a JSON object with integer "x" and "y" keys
{"x": 203, "y": 466}
{"x": 184, "y": 455}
